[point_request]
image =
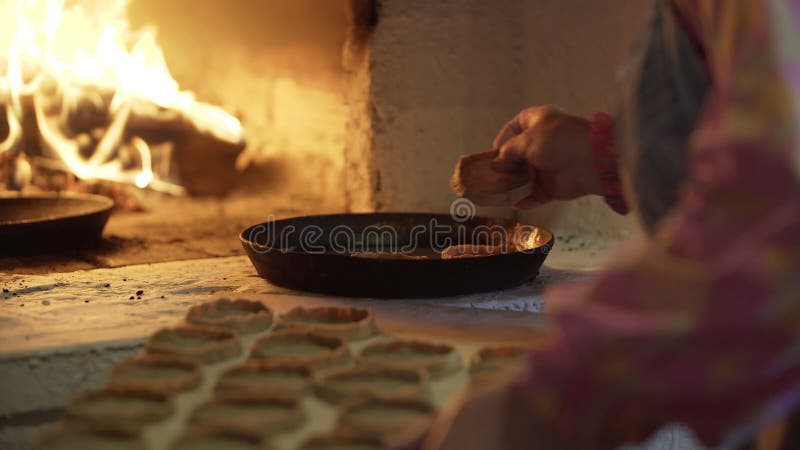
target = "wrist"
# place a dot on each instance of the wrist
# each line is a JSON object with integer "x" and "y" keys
{"x": 605, "y": 161}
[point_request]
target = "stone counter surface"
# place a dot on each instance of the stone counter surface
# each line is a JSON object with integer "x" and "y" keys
{"x": 62, "y": 333}
{"x": 102, "y": 305}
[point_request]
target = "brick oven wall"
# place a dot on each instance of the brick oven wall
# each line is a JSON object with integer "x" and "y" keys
{"x": 440, "y": 78}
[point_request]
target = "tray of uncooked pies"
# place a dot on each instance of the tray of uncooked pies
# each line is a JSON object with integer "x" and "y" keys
{"x": 234, "y": 376}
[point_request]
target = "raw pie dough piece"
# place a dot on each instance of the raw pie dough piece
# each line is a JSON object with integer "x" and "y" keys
{"x": 201, "y": 344}
{"x": 300, "y": 346}
{"x": 494, "y": 359}
{"x": 372, "y": 382}
{"x": 290, "y": 379}
{"x": 123, "y": 409}
{"x": 204, "y": 438}
{"x": 343, "y": 441}
{"x": 344, "y": 322}
{"x": 475, "y": 179}
{"x": 250, "y": 413}
{"x": 244, "y": 316}
{"x": 473, "y": 251}
{"x": 434, "y": 359}
{"x": 72, "y": 436}
{"x": 385, "y": 417}
{"x": 157, "y": 373}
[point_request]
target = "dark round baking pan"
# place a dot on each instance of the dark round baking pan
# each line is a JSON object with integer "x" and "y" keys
{"x": 314, "y": 253}
{"x": 45, "y": 223}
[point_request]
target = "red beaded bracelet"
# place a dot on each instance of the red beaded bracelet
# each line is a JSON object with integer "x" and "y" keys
{"x": 605, "y": 160}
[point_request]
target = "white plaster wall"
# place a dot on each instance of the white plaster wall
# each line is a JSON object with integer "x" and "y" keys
{"x": 574, "y": 49}
{"x": 442, "y": 80}
{"x": 446, "y": 75}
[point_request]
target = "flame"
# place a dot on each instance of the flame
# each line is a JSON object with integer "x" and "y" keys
{"x": 76, "y": 48}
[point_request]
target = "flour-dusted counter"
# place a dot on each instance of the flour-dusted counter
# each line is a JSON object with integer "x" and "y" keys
{"x": 102, "y": 305}
{"x": 61, "y": 333}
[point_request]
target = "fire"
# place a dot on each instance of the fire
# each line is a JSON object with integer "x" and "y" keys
{"x": 63, "y": 58}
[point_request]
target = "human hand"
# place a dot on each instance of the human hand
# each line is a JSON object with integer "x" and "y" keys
{"x": 558, "y": 149}
{"x": 488, "y": 417}
{"x": 477, "y": 421}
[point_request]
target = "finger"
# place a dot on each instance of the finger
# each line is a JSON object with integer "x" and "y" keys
{"x": 524, "y": 119}
{"x": 468, "y": 427}
{"x": 537, "y": 196}
{"x": 512, "y": 128}
{"x": 511, "y": 155}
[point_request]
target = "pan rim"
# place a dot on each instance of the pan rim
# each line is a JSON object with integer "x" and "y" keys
{"x": 548, "y": 243}
{"x": 96, "y": 204}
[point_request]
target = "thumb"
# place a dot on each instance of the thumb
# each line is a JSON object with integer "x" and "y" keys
{"x": 511, "y": 155}
{"x": 527, "y": 202}
{"x": 537, "y": 196}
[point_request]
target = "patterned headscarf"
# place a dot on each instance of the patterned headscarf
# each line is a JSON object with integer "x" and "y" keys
{"x": 753, "y": 59}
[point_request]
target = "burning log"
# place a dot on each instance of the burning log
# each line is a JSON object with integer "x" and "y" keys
{"x": 16, "y": 171}
{"x": 158, "y": 123}
{"x": 106, "y": 109}
{"x": 87, "y": 110}
{"x": 99, "y": 144}
{"x": 11, "y": 129}
{"x": 207, "y": 164}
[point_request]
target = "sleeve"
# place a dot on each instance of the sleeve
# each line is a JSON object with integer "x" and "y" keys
{"x": 605, "y": 160}
{"x": 701, "y": 325}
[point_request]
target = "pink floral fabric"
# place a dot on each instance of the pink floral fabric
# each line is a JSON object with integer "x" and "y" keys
{"x": 701, "y": 326}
